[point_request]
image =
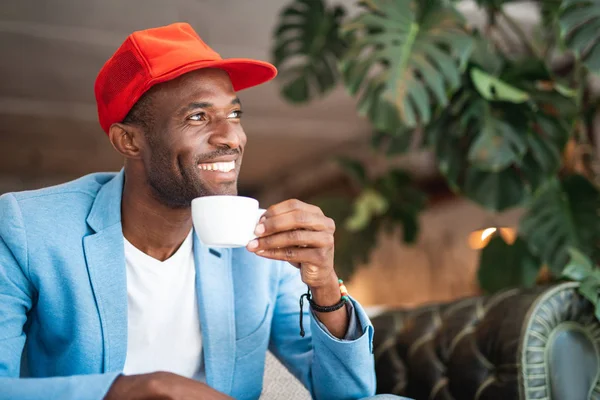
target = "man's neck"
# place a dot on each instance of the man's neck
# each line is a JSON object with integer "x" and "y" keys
{"x": 149, "y": 225}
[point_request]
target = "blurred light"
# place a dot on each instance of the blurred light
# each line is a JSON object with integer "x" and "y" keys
{"x": 487, "y": 233}
{"x": 480, "y": 238}
{"x": 509, "y": 235}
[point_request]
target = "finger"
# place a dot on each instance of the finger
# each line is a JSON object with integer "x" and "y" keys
{"x": 297, "y": 255}
{"x": 297, "y": 219}
{"x": 291, "y": 205}
{"x": 295, "y": 238}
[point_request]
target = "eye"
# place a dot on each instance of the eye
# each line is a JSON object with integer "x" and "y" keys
{"x": 235, "y": 114}
{"x": 198, "y": 117}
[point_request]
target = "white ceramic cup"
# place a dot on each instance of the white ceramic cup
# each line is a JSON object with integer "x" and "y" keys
{"x": 225, "y": 221}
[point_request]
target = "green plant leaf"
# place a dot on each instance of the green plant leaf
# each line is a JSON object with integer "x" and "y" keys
{"x": 579, "y": 268}
{"x": 504, "y": 266}
{"x": 307, "y": 47}
{"x": 549, "y": 10}
{"x": 547, "y": 138}
{"x": 368, "y": 204}
{"x": 580, "y": 30}
{"x": 565, "y": 91}
{"x": 494, "y": 190}
{"x": 589, "y": 289}
{"x": 393, "y": 144}
{"x": 405, "y": 53}
{"x": 494, "y": 89}
{"x": 512, "y": 149}
{"x": 505, "y": 188}
{"x": 548, "y": 30}
{"x": 563, "y": 215}
{"x": 547, "y": 94}
{"x": 354, "y": 169}
{"x": 484, "y": 55}
{"x": 497, "y": 146}
{"x": 405, "y": 201}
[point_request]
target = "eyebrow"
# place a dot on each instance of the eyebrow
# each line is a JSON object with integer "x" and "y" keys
{"x": 204, "y": 104}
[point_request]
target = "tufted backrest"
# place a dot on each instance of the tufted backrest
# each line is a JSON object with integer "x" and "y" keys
{"x": 517, "y": 344}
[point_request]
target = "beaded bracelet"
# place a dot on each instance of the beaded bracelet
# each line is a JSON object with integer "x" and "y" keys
{"x": 344, "y": 299}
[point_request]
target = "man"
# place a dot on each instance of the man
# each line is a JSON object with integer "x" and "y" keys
{"x": 106, "y": 292}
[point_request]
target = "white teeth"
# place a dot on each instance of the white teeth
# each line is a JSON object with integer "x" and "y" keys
{"x": 221, "y": 166}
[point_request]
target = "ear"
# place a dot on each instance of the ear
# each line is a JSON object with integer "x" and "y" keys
{"x": 126, "y": 139}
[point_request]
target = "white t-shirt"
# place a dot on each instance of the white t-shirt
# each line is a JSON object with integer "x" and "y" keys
{"x": 163, "y": 326}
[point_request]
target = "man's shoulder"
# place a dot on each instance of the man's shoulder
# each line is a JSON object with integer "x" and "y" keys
{"x": 55, "y": 204}
{"x": 87, "y": 185}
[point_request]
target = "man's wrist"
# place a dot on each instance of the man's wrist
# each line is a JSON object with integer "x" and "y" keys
{"x": 327, "y": 294}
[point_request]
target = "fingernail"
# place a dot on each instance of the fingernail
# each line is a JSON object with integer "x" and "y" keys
{"x": 253, "y": 244}
{"x": 260, "y": 229}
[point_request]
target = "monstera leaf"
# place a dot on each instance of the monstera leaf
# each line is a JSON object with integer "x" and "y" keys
{"x": 512, "y": 143}
{"x": 307, "y": 48}
{"x": 511, "y": 151}
{"x": 580, "y": 30}
{"x": 563, "y": 215}
{"x": 493, "y": 89}
{"x": 498, "y": 145}
{"x": 503, "y": 266}
{"x": 394, "y": 143}
{"x": 407, "y": 56}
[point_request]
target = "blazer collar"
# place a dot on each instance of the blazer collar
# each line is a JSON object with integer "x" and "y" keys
{"x": 105, "y": 259}
{"x": 106, "y": 210}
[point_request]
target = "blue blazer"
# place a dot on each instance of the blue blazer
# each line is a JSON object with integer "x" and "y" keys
{"x": 63, "y": 306}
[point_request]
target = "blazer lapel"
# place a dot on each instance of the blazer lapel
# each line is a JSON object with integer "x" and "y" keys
{"x": 105, "y": 259}
{"x": 214, "y": 285}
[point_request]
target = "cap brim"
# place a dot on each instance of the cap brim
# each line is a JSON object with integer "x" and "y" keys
{"x": 244, "y": 73}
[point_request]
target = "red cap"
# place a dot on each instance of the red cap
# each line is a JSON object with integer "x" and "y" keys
{"x": 158, "y": 55}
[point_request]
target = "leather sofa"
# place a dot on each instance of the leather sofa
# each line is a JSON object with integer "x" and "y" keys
{"x": 541, "y": 343}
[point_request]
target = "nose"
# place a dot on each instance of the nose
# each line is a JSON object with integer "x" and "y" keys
{"x": 229, "y": 136}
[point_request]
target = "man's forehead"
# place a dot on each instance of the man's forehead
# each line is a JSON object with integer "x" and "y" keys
{"x": 202, "y": 79}
{"x": 208, "y": 85}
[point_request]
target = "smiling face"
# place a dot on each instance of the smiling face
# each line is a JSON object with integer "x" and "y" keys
{"x": 194, "y": 141}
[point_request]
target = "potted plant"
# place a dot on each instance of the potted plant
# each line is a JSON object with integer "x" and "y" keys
{"x": 504, "y": 125}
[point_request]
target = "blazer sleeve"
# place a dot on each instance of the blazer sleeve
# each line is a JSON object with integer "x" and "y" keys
{"x": 17, "y": 297}
{"x": 330, "y": 368}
